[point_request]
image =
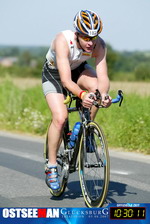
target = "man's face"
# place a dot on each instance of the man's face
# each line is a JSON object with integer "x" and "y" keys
{"x": 87, "y": 43}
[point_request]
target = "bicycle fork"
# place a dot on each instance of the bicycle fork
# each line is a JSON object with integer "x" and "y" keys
{"x": 87, "y": 164}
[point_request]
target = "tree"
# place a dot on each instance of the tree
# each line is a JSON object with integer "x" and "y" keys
{"x": 112, "y": 58}
{"x": 142, "y": 71}
{"x": 25, "y": 58}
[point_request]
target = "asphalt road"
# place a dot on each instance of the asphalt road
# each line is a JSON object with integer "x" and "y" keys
{"x": 22, "y": 178}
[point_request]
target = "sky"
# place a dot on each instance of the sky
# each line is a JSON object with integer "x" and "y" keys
{"x": 126, "y": 23}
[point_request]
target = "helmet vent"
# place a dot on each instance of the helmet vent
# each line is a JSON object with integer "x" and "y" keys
{"x": 81, "y": 27}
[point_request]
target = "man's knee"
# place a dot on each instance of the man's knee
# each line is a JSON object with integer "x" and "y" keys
{"x": 92, "y": 86}
{"x": 59, "y": 121}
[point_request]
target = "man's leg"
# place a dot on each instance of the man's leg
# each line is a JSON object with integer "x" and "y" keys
{"x": 59, "y": 116}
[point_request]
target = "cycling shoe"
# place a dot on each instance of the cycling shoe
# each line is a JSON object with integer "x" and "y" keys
{"x": 51, "y": 179}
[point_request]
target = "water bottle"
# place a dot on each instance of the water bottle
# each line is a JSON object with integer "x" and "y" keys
{"x": 74, "y": 135}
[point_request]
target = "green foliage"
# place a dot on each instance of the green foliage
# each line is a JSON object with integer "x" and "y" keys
{"x": 121, "y": 64}
{"x": 35, "y": 52}
{"x": 127, "y": 127}
{"x": 112, "y": 58}
{"x": 21, "y": 71}
{"x": 142, "y": 71}
{"x": 123, "y": 76}
{"x": 7, "y": 51}
{"x": 25, "y": 58}
{"x": 20, "y": 110}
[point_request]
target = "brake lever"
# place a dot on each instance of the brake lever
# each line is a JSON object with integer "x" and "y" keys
{"x": 98, "y": 95}
{"x": 120, "y": 93}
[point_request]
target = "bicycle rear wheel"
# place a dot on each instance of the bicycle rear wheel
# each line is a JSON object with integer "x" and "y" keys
{"x": 62, "y": 166}
{"x": 94, "y": 166}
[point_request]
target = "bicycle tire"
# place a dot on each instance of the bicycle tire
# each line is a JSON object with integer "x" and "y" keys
{"x": 62, "y": 166}
{"x": 94, "y": 166}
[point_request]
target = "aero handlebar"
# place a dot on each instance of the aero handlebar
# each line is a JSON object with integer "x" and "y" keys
{"x": 118, "y": 99}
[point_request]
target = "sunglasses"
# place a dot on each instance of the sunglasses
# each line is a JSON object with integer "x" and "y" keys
{"x": 85, "y": 38}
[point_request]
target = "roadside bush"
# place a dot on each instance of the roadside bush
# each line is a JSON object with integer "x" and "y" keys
{"x": 142, "y": 72}
{"x": 21, "y": 71}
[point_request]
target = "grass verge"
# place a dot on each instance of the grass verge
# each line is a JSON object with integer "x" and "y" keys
{"x": 128, "y": 127}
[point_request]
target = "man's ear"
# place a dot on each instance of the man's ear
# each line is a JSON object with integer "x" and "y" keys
{"x": 77, "y": 34}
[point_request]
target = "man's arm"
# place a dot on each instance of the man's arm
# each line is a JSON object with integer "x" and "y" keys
{"x": 102, "y": 74}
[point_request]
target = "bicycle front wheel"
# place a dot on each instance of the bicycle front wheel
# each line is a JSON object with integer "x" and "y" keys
{"x": 94, "y": 165}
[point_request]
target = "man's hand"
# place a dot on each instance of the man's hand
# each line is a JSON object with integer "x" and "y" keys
{"x": 87, "y": 100}
{"x": 106, "y": 100}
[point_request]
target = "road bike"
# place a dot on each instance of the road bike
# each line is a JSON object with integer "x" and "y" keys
{"x": 89, "y": 156}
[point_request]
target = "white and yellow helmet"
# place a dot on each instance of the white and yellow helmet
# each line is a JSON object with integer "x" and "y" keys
{"x": 88, "y": 23}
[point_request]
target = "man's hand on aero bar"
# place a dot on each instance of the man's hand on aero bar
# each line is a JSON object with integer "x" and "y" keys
{"x": 88, "y": 99}
{"x": 106, "y": 100}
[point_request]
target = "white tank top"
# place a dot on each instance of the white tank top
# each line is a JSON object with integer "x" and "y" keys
{"x": 76, "y": 56}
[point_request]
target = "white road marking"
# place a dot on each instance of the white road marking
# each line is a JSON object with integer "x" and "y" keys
{"x": 120, "y": 172}
{"x": 23, "y": 154}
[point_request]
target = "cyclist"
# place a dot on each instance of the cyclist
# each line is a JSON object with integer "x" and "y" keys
{"x": 66, "y": 67}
